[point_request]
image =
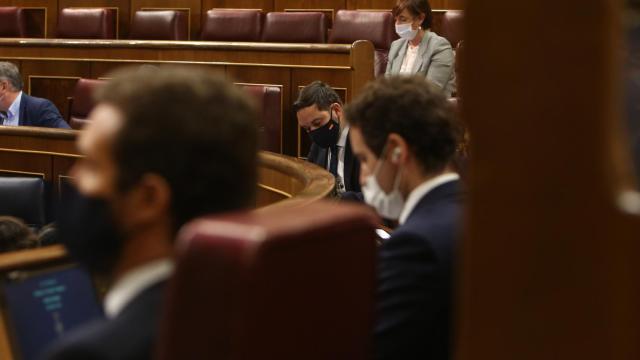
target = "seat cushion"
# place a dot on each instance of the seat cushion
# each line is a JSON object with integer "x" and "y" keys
{"x": 295, "y": 27}
{"x": 23, "y": 197}
{"x": 452, "y": 27}
{"x": 160, "y": 25}
{"x": 375, "y": 26}
{"x": 232, "y": 25}
{"x": 94, "y": 23}
{"x": 12, "y": 22}
{"x": 82, "y": 102}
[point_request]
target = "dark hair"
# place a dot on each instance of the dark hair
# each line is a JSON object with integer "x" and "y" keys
{"x": 415, "y": 8}
{"x": 191, "y": 127}
{"x": 10, "y": 72}
{"x": 15, "y": 235}
{"x": 316, "y": 93}
{"x": 412, "y": 108}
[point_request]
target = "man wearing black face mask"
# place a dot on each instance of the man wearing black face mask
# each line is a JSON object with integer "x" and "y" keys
{"x": 319, "y": 112}
{"x": 160, "y": 150}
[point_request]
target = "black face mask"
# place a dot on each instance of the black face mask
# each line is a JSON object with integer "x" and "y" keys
{"x": 88, "y": 231}
{"x": 327, "y": 135}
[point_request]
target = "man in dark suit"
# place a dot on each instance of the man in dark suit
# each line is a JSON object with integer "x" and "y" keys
{"x": 404, "y": 134}
{"x": 319, "y": 112}
{"x": 160, "y": 150}
{"x": 20, "y": 109}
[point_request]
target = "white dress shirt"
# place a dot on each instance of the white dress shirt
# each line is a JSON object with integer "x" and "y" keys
{"x": 409, "y": 59}
{"x": 342, "y": 142}
{"x": 423, "y": 189}
{"x": 135, "y": 282}
{"x": 13, "y": 114}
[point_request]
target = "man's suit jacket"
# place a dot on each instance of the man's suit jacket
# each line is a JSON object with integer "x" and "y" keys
{"x": 435, "y": 61}
{"x": 36, "y": 111}
{"x": 320, "y": 156}
{"x": 130, "y": 335}
{"x": 415, "y": 279}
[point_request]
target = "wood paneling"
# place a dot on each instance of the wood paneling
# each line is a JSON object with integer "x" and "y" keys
{"x": 194, "y": 7}
{"x": 265, "y": 5}
{"x": 123, "y": 7}
{"x": 289, "y": 66}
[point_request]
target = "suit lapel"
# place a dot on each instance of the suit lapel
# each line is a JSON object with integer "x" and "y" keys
{"x": 397, "y": 62}
{"x": 348, "y": 164}
{"x": 422, "y": 50}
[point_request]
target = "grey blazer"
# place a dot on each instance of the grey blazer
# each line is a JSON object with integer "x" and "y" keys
{"x": 435, "y": 60}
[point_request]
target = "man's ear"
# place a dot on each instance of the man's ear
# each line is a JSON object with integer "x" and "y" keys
{"x": 150, "y": 200}
{"x": 337, "y": 109}
{"x": 398, "y": 149}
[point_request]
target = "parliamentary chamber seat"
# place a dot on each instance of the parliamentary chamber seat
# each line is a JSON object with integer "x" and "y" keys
{"x": 160, "y": 25}
{"x": 23, "y": 197}
{"x": 12, "y": 22}
{"x": 295, "y": 27}
{"x": 81, "y": 103}
{"x": 87, "y": 23}
{"x": 285, "y": 283}
{"x": 232, "y": 25}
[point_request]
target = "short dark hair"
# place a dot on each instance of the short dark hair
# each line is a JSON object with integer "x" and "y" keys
{"x": 412, "y": 108}
{"x": 317, "y": 93}
{"x": 190, "y": 127}
{"x": 15, "y": 235}
{"x": 415, "y": 8}
{"x": 9, "y": 71}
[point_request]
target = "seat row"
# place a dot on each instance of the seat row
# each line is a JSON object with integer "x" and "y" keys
{"x": 228, "y": 25}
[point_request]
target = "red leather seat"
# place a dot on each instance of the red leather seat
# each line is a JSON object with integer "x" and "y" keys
{"x": 452, "y": 27}
{"x": 160, "y": 25}
{"x": 282, "y": 283}
{"x": 295, "y": 27}
{"x": 232, "y": 25}
{"x": 268, "y": 100}
{"x": 12, "y": 22}
{"x": 375, "y": 26}
{"x": 81, "y": 104}
{"x": 89, "y": 23}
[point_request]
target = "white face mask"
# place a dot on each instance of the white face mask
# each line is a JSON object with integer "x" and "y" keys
{"x": 405, "y": 31}
{"x": 389, "y": 205}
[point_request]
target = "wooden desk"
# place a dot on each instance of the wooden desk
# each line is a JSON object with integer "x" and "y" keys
{"x": 50, "y": 68}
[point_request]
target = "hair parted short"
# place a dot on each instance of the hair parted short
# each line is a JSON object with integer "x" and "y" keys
{"x": 10, "y": 73}
{"x": 412, "y": 108}
{"x": 415, "y": 8}
{"x": 191, "y": 127}
{"x": 317, "y": 93}
{"x": 16, "y": 235}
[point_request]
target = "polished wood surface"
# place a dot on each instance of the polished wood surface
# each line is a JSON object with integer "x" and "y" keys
{"x": 549, "y": 267}
{"x": 50, "y": 67}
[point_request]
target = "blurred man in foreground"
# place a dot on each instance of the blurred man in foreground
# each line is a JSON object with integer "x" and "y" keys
{"x": 404, "y": 134}
{"x": 161, "y": 149}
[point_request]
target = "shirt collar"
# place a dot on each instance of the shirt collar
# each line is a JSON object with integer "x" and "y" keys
{"x": 15, "y": 106}
{"x": 423, "y": 189}
{"x": 342, "y": 141}
{"x": 135, "y": 282}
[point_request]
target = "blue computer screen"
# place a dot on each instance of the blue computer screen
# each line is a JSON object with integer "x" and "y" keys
{"x": 42, "y": 307}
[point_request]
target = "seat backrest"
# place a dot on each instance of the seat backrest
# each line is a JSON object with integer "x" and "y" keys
{"x": 375, "y": 26}
{"x": 23, "y": 197}
{"x": 452, "y": 27}
{"x": 160, "y": 25}
{"x": 82, "y": 102}
{"x": 12, "y": 22}
{"x": 283, "y": 283}
{"x": 295, "y": 27}
{"x": 87, "y": 23}
{"x": 232, "y": 25}
{"x": 268, "y": 100}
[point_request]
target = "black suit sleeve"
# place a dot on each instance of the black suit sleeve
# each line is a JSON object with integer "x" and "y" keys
{"x": 409, "y": 300}
{"x": 49, "y": 116}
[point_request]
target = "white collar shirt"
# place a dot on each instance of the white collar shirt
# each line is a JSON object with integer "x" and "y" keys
{"x": 13, "y": 114}
{"x": 134, "y": 282}
{"x": 422, "y": 190}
